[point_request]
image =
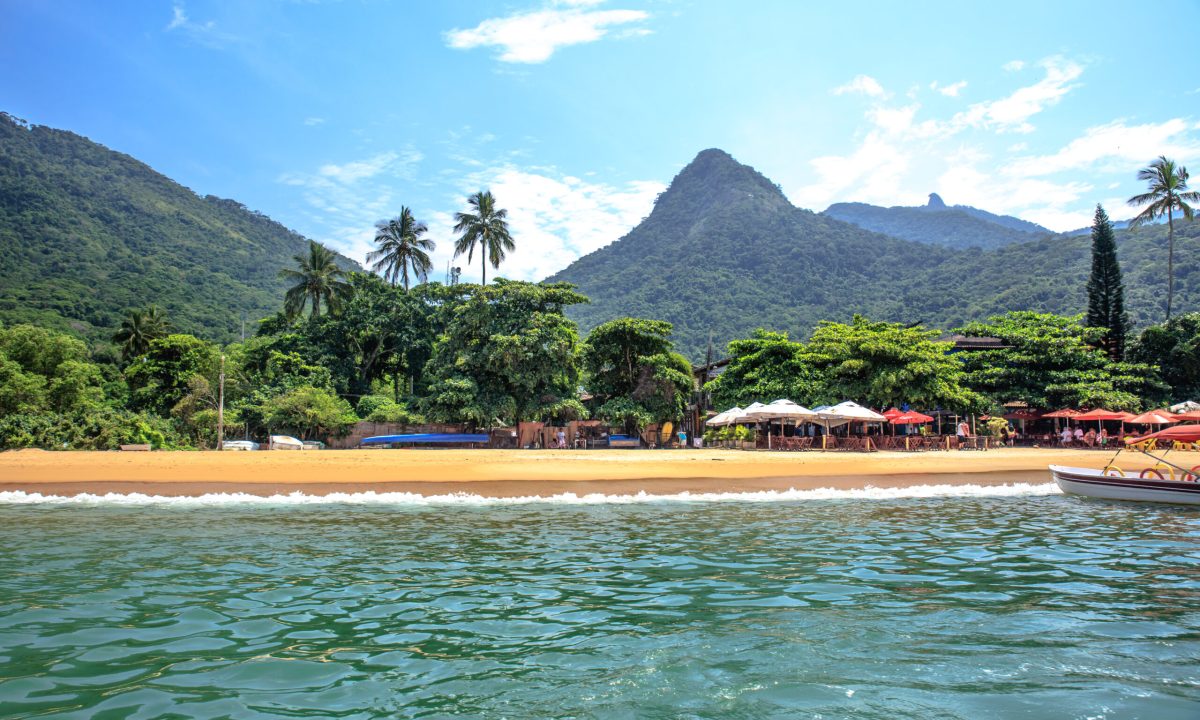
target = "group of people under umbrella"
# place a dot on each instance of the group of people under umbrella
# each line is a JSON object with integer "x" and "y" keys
{"x": 1188, "y": 412}
{"x": 827, "y": 417}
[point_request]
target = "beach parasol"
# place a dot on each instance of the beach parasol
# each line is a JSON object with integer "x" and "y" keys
{"x": 1102, "y": 414}
{"x": 889, "y": 414}
{"x": 724, "y": 418}
{"x": 1189, "y": 416}
{"x": 781, "y": 409}
{"x": 1182, "y": 433}
{"x": 1063, "y": 413}
{"x": 1151, "y": 418}
{"x": 1186, "y": 406}
{"x": 912, "y": 417}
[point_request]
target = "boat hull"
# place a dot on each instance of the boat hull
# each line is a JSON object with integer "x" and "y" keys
{"x": 1127, "y": 486}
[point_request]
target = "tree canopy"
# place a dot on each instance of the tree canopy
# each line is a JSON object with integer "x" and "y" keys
{"x": 633, "y": 373}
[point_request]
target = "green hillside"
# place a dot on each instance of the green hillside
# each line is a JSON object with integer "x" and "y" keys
{"x": 86, "y": 233}
{"x": 937, "y": 224}
{"x": 724, "y": 252}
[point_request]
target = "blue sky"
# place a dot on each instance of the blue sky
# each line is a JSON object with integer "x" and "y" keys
{"x": 328, "y": 116}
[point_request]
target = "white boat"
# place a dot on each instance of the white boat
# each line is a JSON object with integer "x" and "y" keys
{"x": 1164, "y": 483}
{"x": 1118, "y": 485}
{"x": 285, "y": 442}
{"x": 239, "y": 445}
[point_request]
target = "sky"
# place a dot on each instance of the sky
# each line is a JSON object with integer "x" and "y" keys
{"x": 331, "y": 116}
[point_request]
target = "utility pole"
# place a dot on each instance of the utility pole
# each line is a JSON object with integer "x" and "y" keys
{"x": 221, "y": 408}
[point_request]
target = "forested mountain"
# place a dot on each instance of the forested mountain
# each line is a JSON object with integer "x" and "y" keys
{"x": 724, "y": 252}
{"x": 86, "y": 233}
{"x": 960, "y": 226}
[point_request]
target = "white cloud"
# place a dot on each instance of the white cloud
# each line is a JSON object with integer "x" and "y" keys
{"x": 533, "y": 37}
{"x": 951, "y": 90}
{"x": 178, "y": 17}
{"x": 1012, "y": 113}
{"x": 900, "y": 156}
{"x": 204, "y": 33}
{"x": 314, "y": 121}
{"x": 344, "y": 207}
{"x": 554, "y": 218}
{"x": 1116, "y": 141}
{"x": 1014, "y": 65}
{"x": 861, "y": 85}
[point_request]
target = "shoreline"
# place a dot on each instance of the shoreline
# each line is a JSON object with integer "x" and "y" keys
{"x": 524, "y": 473}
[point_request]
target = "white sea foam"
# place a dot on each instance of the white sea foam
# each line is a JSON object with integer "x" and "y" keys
{"x": 20, "y": 497}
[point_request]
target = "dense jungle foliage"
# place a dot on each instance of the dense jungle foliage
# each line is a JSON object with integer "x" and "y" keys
{"x": 87, "y": 233}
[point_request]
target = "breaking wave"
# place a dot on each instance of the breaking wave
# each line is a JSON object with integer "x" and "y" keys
{"x": 19, "y": 497}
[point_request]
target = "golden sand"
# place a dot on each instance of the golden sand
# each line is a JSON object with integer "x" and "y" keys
{"x": 505, "y": 473}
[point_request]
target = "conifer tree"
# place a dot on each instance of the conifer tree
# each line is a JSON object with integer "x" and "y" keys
{"x": 1106, "y": 291}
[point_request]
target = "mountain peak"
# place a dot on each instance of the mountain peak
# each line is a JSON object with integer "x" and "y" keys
{"x": 935, "y": 201}
{"x": 713, "y": 181}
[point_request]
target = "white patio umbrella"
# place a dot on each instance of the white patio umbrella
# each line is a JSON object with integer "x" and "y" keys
{"x": 782, "y": 409}
{"x": 831, "y": 416}
{"x": 747, "y": 414}
{"x": 724, "y": 418}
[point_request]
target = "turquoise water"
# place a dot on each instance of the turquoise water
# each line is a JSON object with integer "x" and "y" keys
{"x": 958, "y": 607}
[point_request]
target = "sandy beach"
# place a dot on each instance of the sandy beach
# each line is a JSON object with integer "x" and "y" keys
{"x": 507, "y": 473}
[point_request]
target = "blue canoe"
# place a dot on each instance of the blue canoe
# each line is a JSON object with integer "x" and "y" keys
{"x": 428, "y": 438}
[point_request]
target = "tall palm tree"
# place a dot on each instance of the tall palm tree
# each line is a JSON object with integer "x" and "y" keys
{"x": 138, "y": 328}
{"x": 1168, "y": 193}
{"x": 486, "y": 227}
{"x": 401, "y": 247}
{"x": 319, "y": 280}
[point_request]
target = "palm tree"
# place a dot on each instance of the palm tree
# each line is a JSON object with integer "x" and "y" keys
{"x": 138, "y": 328}
{"x": 1168, "y": 193}
{"x": 401, "y": 247}
{"x": 487, "y": 227}
{"x": 318, "y": 280}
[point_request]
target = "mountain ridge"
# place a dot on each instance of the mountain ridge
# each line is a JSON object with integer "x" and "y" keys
{"x": 89, "y": 232}
{"x": 751, "y": 261}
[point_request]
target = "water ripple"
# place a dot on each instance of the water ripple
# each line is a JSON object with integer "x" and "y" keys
{"x": 927, "y": 607}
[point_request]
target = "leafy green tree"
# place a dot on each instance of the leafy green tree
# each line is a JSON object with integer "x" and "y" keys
{"x": 402, "y": 248}
{"x": 486, "y": 227}
{"x": 885, "y": 364}
{"x": 138, "y": 328}
{"x": 508, "y": 353}
{"x": 1050, "y": 361}
{"x": 763, "y": 367}
{"x": 319, "y": 280}
{"x": 1106, "y": 291}
{"x": 310, "y": 412}
{"x": 633, "y": 373}
{"x": 45, "y": 371}
{"x": 20, "y": 392}
{"x": 1174, "y": 348}
{"x": 383, "y": 409}
{"x": 1167, "y": 193}
{"x": 162, "y": 376}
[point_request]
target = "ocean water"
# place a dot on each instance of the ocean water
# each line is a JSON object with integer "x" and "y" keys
{"x": 959, "y": 603}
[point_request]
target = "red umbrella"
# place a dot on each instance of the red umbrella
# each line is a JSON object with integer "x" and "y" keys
{"x": 912, "y": 417}
{"x": 1064, "y": 413}
{"x": 1101, "y": 414}
{"x": 1182, "y": 433}
{"x": 1151, "y": 418}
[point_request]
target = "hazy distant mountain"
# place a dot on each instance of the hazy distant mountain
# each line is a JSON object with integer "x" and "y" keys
{"x": 86, "y": 233}
{"x": 724, "y": 252}
{"x": 937, "y": 224}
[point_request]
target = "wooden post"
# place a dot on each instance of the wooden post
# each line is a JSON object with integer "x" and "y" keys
{"x": 221, "y": 408}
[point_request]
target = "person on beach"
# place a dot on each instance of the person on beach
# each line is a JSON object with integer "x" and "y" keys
{"x": 1103, "y": 437}
{"x": 1066, "y": 436}
{"x": 1005, "y": 435}
{"x": 1090, "y": 438}
{"x": 1078, "y": 434}
{"x": 561, "y": 437}
{"x": 963, "y": 432}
